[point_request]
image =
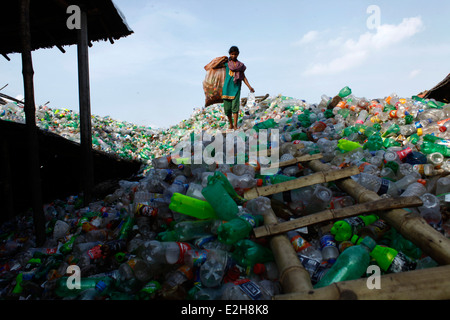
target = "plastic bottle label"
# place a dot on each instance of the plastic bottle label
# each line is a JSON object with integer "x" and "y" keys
{"x": 327, "y": 241}
{"x": 95, "y": 252}
{"x": 356, "y": 223}
{"x": 402, "y": 263}
{"x": 384, "y": 186}
{"x": 184, "y": 247}
{"x": 250, "y": 289}
{"x": 251, "y": 220}
{"x": 146, "y": 211}
{"x": 299, "y": 243}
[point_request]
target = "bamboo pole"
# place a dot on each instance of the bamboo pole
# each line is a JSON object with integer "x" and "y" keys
{"x": 292, "y": 275}
{"x": 414, "y": 228}
{"x": 424, "y": 284}
{"x": 315, "y": 178}
{"x": 332, "y": 214}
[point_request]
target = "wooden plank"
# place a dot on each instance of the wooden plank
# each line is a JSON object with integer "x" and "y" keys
{"x": 333, "y": 214}
{"x": 315, "y": 178}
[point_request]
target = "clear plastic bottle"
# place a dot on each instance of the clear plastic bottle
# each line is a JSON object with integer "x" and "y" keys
{"x": 244, "y": 181}
{"x": 404, "y": 182}
{"x": 379, "y": 185}
{"x": 178, "y": 277}
{"x": 241, "y": 169}
{"x": 431, "y": 209}
{"x": 170, "y": 252}
{"x": 268, "y": 270}
{"x": 245, "y": 289}
{"x": 301, "y": 246}
{"x": 188, "y": 230}
{"x": 443, "y": 185}
{"x": 415, "y": 189}
{"x": 320, "y": 199}
{"x": 195, "y": 191}
{"x": 328, "y": 247}
{"x": 215, "y": 267}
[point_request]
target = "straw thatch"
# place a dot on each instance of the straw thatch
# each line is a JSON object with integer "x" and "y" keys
{"x": 48, "y": 23}
{"x": 440, "y": 92}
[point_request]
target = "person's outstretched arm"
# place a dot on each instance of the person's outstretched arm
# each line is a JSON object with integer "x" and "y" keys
{"x": 248, "y": 85}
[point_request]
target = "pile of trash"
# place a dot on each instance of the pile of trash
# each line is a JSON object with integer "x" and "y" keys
{"x": 184, "y": 230}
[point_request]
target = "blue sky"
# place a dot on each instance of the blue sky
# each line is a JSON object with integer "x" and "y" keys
{"x": 298, "y": 48}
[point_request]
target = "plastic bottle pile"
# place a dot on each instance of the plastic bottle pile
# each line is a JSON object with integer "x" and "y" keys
{"x": 185, "y": 231}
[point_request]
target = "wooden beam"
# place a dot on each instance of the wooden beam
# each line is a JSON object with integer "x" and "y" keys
{"x": 315, "y": 178}
{"x": 334, "y": 214}
{"x": 30, "y": 119}
{"x": 85, "y": 110}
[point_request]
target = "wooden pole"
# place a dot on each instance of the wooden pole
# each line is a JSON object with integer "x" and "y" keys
{"x": 333, "y": 214}
{"x": 414, "y": 228}
{"x": 292, "y": 275}
{"x": 85, "y": 110}
{"x": 30, "y": 119}
{"x": 6, "y": 181}
{"x": 423, "y": 284}
{"x": 315, "y": 178}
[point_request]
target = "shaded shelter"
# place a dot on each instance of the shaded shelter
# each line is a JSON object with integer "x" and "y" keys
{"x": 440, "y": 92}
{"x": 30, "y": 25}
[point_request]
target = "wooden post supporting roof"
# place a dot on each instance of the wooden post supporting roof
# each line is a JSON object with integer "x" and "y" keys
{"x": 85, "y": 110}
{"x": 30, "y": 119}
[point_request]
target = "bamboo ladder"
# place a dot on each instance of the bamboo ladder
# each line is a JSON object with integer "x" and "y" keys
{"x": 295, "y": 280}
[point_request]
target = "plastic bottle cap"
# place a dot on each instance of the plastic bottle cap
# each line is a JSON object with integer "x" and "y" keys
{"x": 259, "y": 268}
{"x": 259, "y": 182}
{"x": 422, "y": 181}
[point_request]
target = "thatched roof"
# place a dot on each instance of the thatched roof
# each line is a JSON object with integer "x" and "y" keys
{"x": 48, "y": 20}
{"x": 440, "y": 92}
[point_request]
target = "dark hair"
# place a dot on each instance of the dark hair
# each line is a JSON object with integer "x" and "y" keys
{"x": 233, "y": 49}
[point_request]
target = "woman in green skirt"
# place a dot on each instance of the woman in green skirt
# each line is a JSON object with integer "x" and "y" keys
{"x": 231, "y": 92}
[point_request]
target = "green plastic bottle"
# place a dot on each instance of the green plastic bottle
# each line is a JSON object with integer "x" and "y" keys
{"x": 392, "y": 130}
{"x": 275, "y": 178}
{"x": 389, "y": 259}
{"x": 344, "y": 229}
{"x": 247, "y": 253}
{"x": 190, "y": 206}
{"x": 346, "y": 91}
{"x": 239, "y": 228}
{"x": 126, "y": 227}
{"x": 428, "y": 148}
{"x": 351, "y": 264}
{"x": 219, "y": 176}
{"x": 223, "y": 204}
{"x": 64, "y": 288}
{"x": 373, "y": 143}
